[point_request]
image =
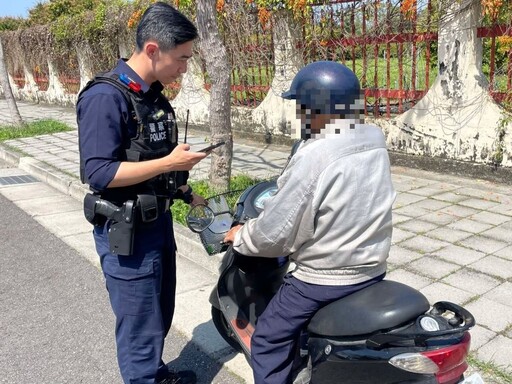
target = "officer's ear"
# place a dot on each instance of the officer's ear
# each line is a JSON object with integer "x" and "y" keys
{"x": 151, "y": 49}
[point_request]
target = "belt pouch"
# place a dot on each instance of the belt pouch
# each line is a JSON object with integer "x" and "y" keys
{"x": 148, "y": 206}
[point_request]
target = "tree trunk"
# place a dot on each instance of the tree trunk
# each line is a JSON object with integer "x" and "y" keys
{"x": 6, "y": 86}
{"x": 218, "y": 68}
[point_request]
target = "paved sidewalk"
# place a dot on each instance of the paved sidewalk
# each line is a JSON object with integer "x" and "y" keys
{"x": 452, "y": 236}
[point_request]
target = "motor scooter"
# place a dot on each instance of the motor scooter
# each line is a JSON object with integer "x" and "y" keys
{"x": 385, "y": 333}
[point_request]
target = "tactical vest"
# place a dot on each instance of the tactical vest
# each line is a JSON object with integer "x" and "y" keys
{"x": 156, "y": 136}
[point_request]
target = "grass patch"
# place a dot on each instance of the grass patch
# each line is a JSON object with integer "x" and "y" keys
{"x": 237, "y": 183}
{"x": 490, "y": 369}
{"x": 35, "y": 128}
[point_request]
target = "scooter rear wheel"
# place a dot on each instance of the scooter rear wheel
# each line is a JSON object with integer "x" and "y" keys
{"x": 222, "y": 327}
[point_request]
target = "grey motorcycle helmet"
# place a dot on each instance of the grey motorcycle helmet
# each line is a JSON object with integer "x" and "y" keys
{"x": 325, "y": 87}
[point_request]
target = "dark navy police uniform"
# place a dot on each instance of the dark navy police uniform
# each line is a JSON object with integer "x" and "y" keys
{"x": 142, "y": 285}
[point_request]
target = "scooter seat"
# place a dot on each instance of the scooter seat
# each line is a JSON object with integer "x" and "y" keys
{"x": 381, "y": 306}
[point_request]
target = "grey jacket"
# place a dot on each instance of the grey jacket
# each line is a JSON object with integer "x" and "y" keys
{"x": 332, "y": 211}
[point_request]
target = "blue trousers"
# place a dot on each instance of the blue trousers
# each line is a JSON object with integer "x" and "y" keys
{"x": 273, "y": 344}
{"x": 142, "y": 291}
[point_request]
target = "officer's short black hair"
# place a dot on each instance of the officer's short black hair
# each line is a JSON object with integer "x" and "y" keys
{"x": 166, "y": 25}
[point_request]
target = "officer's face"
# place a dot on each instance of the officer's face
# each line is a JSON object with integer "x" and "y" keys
{"x": 171, "y": 64}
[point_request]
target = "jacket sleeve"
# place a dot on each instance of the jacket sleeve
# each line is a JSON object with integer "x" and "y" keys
{"x": 287, "y": 220}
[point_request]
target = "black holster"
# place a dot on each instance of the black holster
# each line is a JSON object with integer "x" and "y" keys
{"x": 122, "y": 228}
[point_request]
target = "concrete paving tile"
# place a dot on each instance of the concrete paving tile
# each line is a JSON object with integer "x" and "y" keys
{"x": 490, "y": 314}
{"x": 434, "y": 189}
{"x": 469, "y": 225}
{"x": 484, "y": 193}
{"x": 499, "y": 352}
{"x": 508, "y": 226}
{"x": 439, "y": 218}
{"x": 402, "y": 186}
{"x": 472, "y": 281}
{"x": 502, "y": 294}
{"x": 490, "y": 218}
{"x": 459, "y": 210}
{"x": 29, "y": 191}
{"x": 433, "y": 267}
{"x": 48, "y": 205}
{"x": 479, "y": 203}
{"x": 459, "y": 255}
{"x": 400, "y": 235}
{"x": 186, "y": 314}
{"x": 480, "y": 336}
{"x": 431, "y": 204}
{"x": 392, "y": 266}
{"x": 439, "y": 291}
{"x": 494, "y": 266}
{"x": 407, "y": 185}
{"x": 411, "y": 211}
{"x": 505, "y": 253}
{"x": 409, "y": 278}
{"x": 47, "y": 157}
{"x": 504, "y": 209}
{"x": 65, "y": 224}
{"x": 501, "y": 233}
{"x": 403, "y": 199}
{"x": 417, "y": 226}
{"x": 452, "y": 197}
{"x": 11, "y": 172}
{"x": 449, "y": 235}
{"x": 197, "y": 278}
{"x": 483, "y": 244}
{"x": 423, "y": 244}
{"x": 402, "y": 256}
{"x": 412, "y": 182}
{"x": 503, "y": 198}
{"x": 398, "y": 218}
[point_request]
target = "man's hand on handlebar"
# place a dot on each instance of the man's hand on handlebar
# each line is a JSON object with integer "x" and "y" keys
{"x": 230, "y": 236}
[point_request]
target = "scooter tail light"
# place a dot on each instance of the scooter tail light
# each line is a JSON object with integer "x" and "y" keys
{"x": 447, "y": 364}
{"x": 414, "y": 362}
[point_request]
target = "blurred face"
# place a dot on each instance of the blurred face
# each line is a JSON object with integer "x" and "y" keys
{"x": 170, "y": 65}
{"x": 312, "y": 123}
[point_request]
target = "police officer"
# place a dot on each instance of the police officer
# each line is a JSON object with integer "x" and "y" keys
{"x": 331, "y": 214}
{"x": 130, "y": 157}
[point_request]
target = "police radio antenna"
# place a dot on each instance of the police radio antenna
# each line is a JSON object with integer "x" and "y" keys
{"x": 186, "y": 127}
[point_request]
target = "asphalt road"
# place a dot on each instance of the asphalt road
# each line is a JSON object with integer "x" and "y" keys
{"x": 56, "y": 323}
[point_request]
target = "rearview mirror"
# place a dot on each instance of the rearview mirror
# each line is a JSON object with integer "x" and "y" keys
{"x": 199, "y": 218}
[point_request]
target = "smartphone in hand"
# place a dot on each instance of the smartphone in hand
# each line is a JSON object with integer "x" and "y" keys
{"x": 212, "y": 147}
